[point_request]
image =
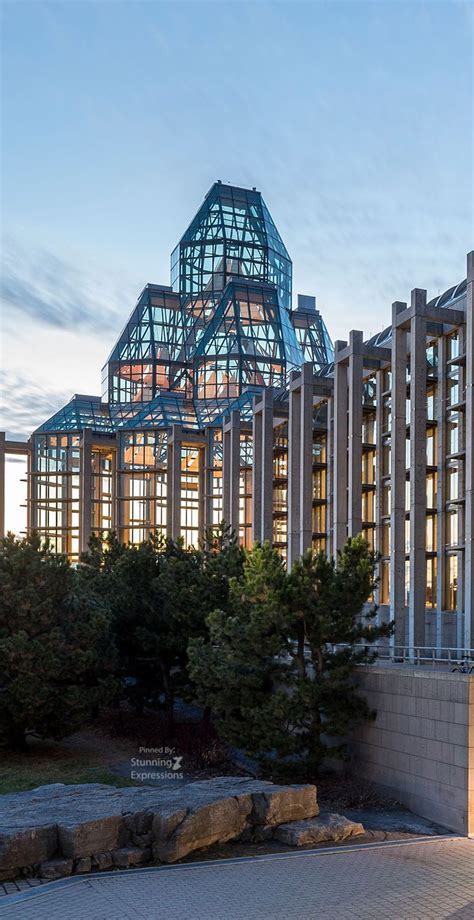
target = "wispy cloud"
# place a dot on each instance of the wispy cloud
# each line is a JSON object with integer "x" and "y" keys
{"x": 24, "y": 404}
{"x": 51, "y": 291}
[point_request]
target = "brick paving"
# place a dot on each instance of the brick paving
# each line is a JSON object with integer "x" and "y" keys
{"x": 417, "y": 880}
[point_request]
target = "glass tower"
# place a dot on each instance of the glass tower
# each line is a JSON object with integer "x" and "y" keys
{"x": 189, "y": 354}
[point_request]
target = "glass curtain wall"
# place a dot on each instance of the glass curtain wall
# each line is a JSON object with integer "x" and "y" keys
{"x": 142, "y": 494}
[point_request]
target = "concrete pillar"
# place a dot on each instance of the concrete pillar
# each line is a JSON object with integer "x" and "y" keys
{"x": 257, "y": 471}
{"x": 379, "y": 388}
{"x": 85, "y": 491}
{"x": 29, "y": 479}
{"x": 306, "y": 462}
{"x": 202, "y": 479}
{"x": 231, "y": 470}
{"x": 267, "y": 466}
{"x": 340, "y": 450}
{"x": 208, "y": 478}
{"x": 330, "y": 478}
{"x": 174, "y": 483}
{"x": 417, "y": 599}
{"x": 294, "y": 469}
{"x": 300, "y": 463}
{"x": 115, "y": 466}
{"x": 440, "y": 409}
{"x": 354, "y": 494}
{"x": 226, "y": 482}
{"x": 469, "y": 460}
{"x": 398, "y": 477}
{"x": 120, "y": 490}
{"x": 2, "y": 484}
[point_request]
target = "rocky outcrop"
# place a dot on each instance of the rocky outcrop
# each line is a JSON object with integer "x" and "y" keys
{"x": 318, "y": 830}
{"x": 60, "y": 830}
{"x": 57, "y": 830}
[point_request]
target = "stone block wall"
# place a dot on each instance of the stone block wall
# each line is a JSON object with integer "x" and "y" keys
{"x": 420, "y": 748}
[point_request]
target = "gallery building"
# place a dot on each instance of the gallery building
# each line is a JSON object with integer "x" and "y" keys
{"x": 224, "y": 398}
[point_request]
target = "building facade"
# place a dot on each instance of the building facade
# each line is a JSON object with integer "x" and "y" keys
{"x": 221, "y": 401}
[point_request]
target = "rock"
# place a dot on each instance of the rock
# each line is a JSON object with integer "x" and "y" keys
{"x": 130, "y": 856}
{"x": 84, "y": 839}
{"x": 217, "y": 822}
{"x": 142, "y": 840}
{"x": 27, "y": 846}
{"x": 281, "y": 804}
{"x": 102, "y": 861}
{"x": 318, "y": 830}
{"x": 78, "y": 822}
{"x": 55, "y": 868}
{"x": 263, "y": 832}
{"x": 83, "y": 865}
{"x": 138, "y": 824}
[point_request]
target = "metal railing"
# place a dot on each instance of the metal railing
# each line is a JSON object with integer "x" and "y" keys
{"x": 422, "y": 654}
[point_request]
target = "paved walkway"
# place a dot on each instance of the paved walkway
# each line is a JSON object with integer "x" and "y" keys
{"x": 420, "y": 880}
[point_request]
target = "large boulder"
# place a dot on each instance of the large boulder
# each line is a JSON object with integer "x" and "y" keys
{"x": 286, "y": 803}
{"x": 56, "y": 868}
{"x": 77, "y": 826}
{"x": 217, "y": 822}
{"x": 26, "y": 846}
{"x": 327, "y": 827}
{"x": 85, "y": 839}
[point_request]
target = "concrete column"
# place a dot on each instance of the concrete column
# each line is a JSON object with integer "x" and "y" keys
{"x": 208, "y": 479}
{"x": 231, "y": 470}
{"x": 441, "y": 395}
{"x": 398, "y": 477}
{"x": 115, "y": 465}
{"x": 379, "y": 378}
{"x": 226, "y": 482}
{"x": 330, "y": 478}
{"x": 294, "y": 468}
{"x": 469, "y": 461}
{"x": 86, "y": 490}
{"x": 300, "y": 463}
{"x": 340, "y": 450}
{"x": 354, "y": 494}
{"x": 174, "y": 483}
{"x": 29, "y": 480}
{"x": 306, "y": 462}
{"x": 257, "y": 471}
{"x": 120, "y": 490}
{"x": 267, "y": 466}
{"x": 417, "y": 599}
{"x": 33, "y": 486}
{"x": 2, "y": 484}
{"x": 202, "y": 479}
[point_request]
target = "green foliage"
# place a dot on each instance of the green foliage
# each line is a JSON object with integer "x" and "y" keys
{"x": 160, "y": 594}
{"x": 278, "y": 670}
{"x": 56, "y": 657}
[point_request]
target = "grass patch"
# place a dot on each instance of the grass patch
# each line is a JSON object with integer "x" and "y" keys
{"x": 44, "y": 764}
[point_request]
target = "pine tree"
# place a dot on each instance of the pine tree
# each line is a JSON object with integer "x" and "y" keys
{"x": 160, "y": 595}
{"x": 278, "y": 671}
{"x": 56, "y": 656}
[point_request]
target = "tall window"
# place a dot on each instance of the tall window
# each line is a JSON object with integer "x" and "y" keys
{"x": 142, "y": 492}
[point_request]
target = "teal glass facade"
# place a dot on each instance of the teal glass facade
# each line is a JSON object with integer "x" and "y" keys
{"x": 222, "y": 330}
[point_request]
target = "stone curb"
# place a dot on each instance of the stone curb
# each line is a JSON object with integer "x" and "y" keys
{"x": 11, "y": 899}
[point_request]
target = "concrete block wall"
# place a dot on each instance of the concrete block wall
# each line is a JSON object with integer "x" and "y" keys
{"x": 420, "y": 748}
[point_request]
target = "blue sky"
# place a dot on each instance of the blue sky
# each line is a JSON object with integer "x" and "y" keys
{"x": 354, "y": 120}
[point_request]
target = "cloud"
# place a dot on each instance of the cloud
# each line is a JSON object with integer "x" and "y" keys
{"x": 51, "y": 291}
{"x": 25, "y": 404}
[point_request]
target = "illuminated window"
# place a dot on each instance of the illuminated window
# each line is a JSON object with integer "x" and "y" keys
{"x": 431, "y": 581}
{"x": 452, "y": 582}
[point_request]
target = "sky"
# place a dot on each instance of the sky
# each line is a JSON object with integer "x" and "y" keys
{"x": 354, "y": 120}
